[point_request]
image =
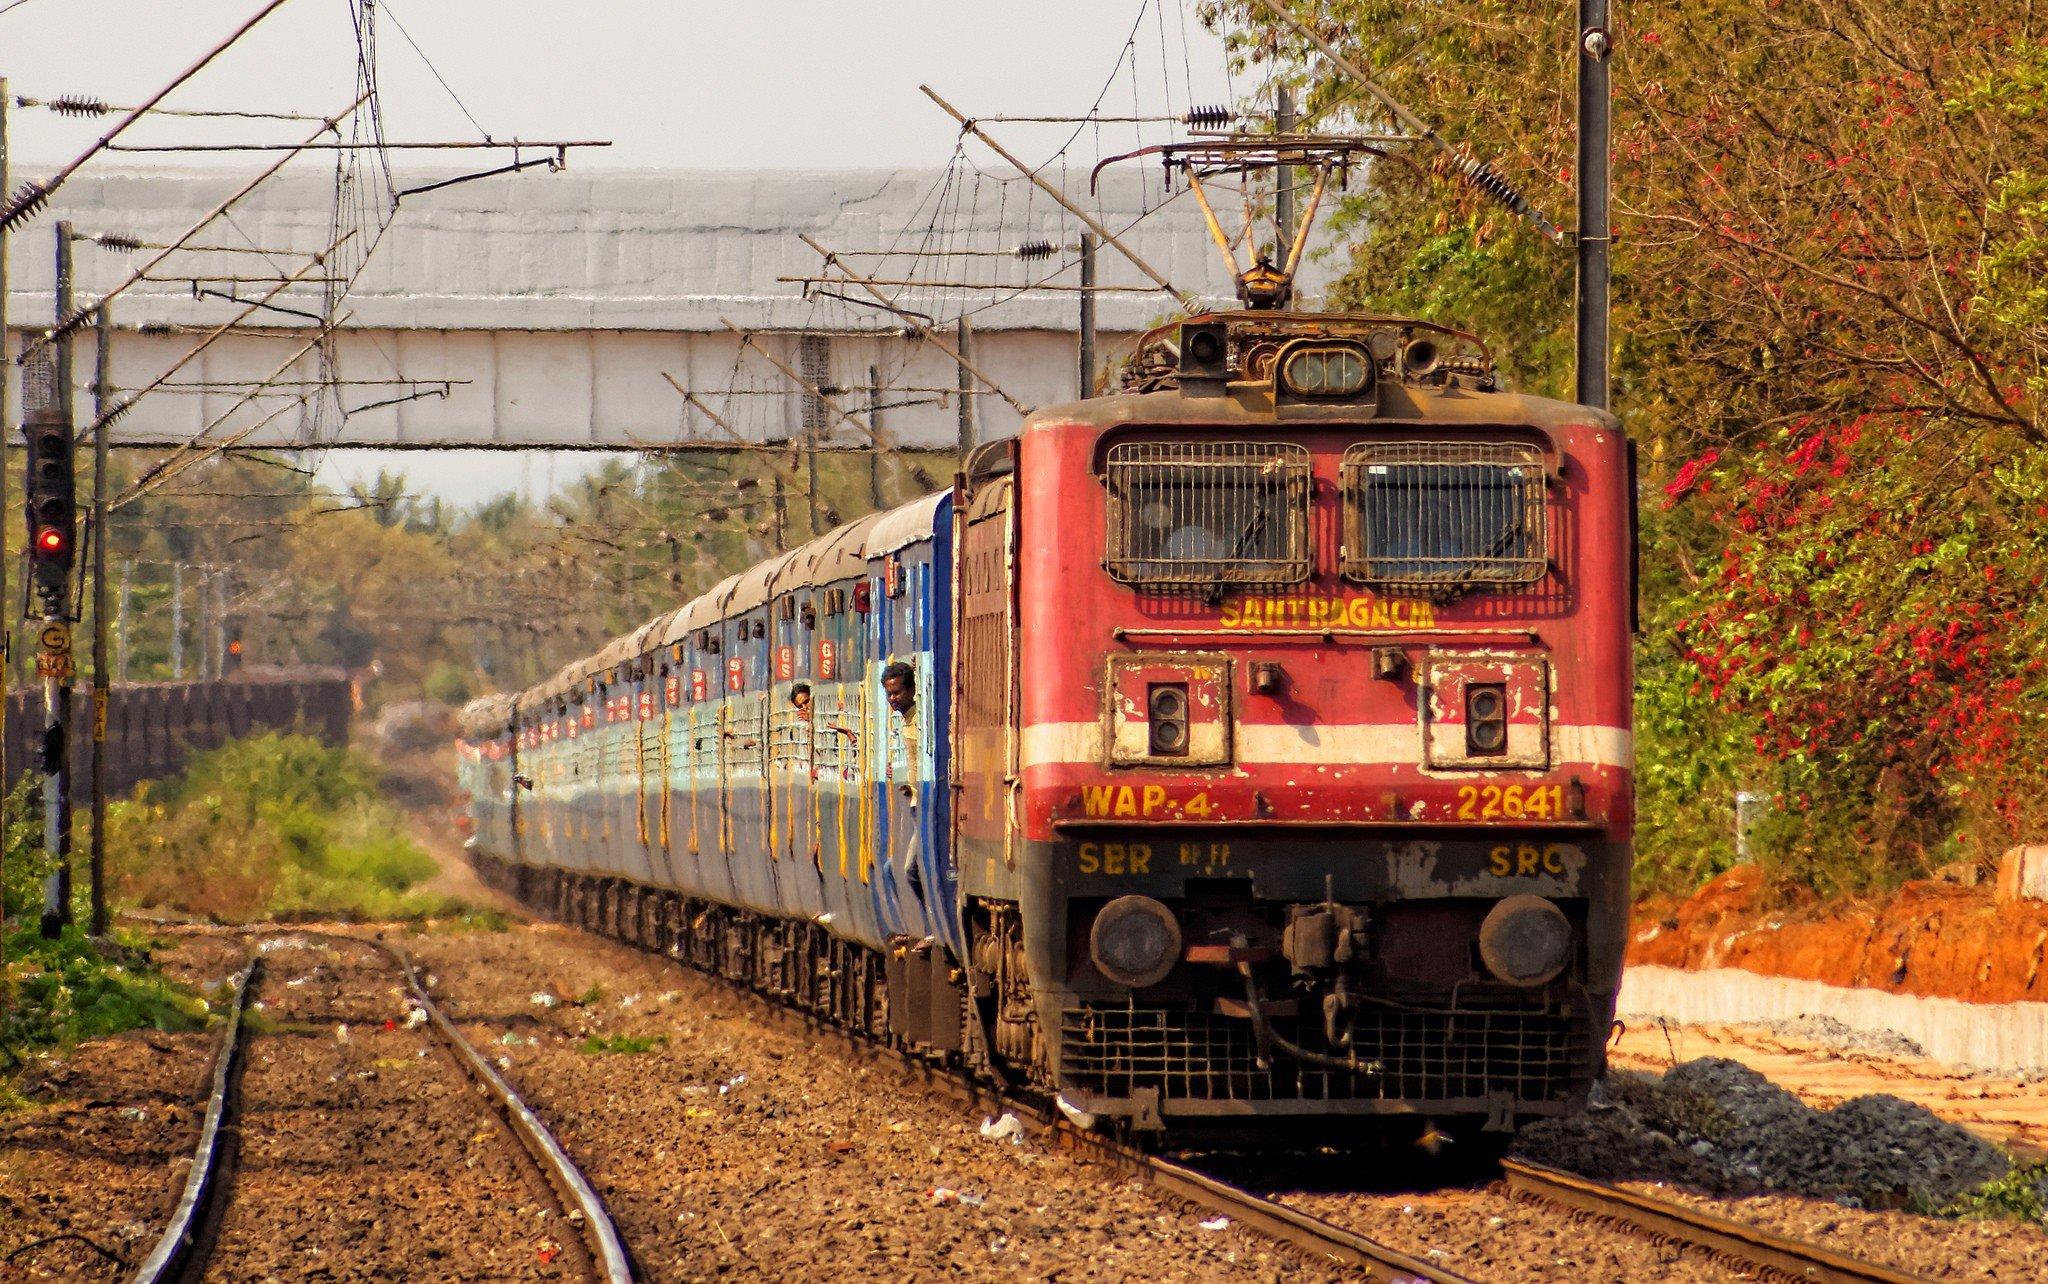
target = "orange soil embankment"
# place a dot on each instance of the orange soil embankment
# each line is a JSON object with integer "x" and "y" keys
{"x": 1935, "y": 939}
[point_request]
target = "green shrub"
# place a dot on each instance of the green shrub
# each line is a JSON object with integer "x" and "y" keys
{"x": 67, "y": 990}
{"x": 274, "y": 825}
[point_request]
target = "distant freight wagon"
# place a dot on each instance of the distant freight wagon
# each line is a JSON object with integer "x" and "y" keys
{"x": 1250, "y": 747}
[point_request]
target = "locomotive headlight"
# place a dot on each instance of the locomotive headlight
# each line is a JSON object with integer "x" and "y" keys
{"x": 1135, "y": 941}
{"x": 1166, "y": 712}
{"x": 1325, "y": 370}
{"x": 1525, "y": 940}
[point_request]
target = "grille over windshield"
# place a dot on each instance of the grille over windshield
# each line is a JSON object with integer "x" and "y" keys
{"x": 1442, "y": 517}
{"x": 1206, "y": 514}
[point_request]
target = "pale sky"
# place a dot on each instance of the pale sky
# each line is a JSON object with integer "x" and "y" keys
{"x": 771, "y": 84}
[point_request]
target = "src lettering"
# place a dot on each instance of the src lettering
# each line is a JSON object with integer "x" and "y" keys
{"x": 1525, "y": 860}
{"x": 1115, "y": 858}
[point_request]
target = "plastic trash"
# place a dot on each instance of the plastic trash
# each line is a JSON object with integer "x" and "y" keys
{"x": 732, "y": 1083}
{"x": 415, "y": 1018}
{"x": 341, "y": 1034}
{"x": 542, "y": 999}
{"x": 1082, "y": 1119}
{"x": 940, "y": 1196}
{"x": 1007, "y": 1126}
{"x": 1218, "y": 1222}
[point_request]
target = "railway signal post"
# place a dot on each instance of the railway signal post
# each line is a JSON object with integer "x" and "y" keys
{"x": 51, "y": 492}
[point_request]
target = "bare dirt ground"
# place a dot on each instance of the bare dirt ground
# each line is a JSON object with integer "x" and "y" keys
{"x": 91, "y": 1169}
{"x": 1929, "y": 937}
{"x": 724, "y": 1146}
{"x": 727, "y": 1146}
{"x": 364, "y": 1152}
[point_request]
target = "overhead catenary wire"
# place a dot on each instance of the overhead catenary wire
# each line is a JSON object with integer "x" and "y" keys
{"x": 883, "y": 439}
{"x": 79, "y": 316}
{"x": 32, "y": 195}
{"x": 128, "y": 403}
{"x": 1110, "y": 238}
{"x": 86, "y": 105}
{"x": 426, "y": 145}
{"x": 930, "y": 335}
{"x": 1472, "y": 171}
{"x": 168, "y": 465}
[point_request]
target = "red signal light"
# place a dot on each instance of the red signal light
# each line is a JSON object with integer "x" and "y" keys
{"x": 50, "y": 540}
{"x": 235, "y": 647}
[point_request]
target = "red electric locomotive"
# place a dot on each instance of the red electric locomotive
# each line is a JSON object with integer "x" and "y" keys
{"x": 1292, "y": 766}
{"x": 1275, "y": 767}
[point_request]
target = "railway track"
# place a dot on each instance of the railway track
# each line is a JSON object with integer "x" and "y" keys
{"x": 183, "y": 1251}
{"x": 1746, "y": 1250}
{"x": 1747, "y": 1247}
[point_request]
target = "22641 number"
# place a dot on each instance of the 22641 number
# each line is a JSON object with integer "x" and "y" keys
{"x": 1510, "y": 802}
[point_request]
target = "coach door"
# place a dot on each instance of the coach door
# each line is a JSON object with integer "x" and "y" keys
{"x": 985, "y": 689}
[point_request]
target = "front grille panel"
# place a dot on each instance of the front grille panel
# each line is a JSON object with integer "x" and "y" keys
{"x": 1440, "y": 517}
{"x": 1426, "y": 1055}
{"x": 1189, "y": 515}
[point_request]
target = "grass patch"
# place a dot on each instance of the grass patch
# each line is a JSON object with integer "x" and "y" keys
{"x": 56, "y": 993}
{"x": 2020, "y": 1195}
{"x": 593, "y": 995}
{"x": 627, "y": 1045}
{"x": 273, "y": 826}
{"x": 65, "y": 991}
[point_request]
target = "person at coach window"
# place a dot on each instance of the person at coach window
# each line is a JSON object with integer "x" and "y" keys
{"x": 800, "y": 696}
{"x": 899, "y": 686}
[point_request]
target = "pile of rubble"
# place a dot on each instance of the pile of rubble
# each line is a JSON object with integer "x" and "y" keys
{"x": 1719, "y": 1126}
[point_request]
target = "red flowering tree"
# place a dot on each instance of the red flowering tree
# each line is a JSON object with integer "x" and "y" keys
{"x": 1832, "y": 311}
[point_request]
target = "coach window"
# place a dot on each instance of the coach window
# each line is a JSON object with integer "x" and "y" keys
{"x": 1444, "y": 517}
{"x": 1207, "y": 514}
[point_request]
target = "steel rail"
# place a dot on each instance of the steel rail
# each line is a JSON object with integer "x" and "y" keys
{"x": 601, "y": 1236}
{"x": 1751, "y": 1246}
{"x": 1310, "y": 1236}
{"x": 173, "y": 1251}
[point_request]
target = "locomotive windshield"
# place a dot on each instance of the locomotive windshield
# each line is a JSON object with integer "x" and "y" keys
{"x": 1202, "y": 514}
{"x": 1440, "y": 516}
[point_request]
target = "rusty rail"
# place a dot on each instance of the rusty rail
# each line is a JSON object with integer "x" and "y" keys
{"x": 1750, "y": 1246}
{"x": 173, "y": 1254}
{"x": 1311, "y": 1237}
{"x": 601, "y": 1236}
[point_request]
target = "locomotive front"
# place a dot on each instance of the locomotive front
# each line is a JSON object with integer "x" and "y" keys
{"x": 1316, "y": 799}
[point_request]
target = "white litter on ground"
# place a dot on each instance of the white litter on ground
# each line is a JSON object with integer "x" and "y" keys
{"x": 1007, "y": 1126}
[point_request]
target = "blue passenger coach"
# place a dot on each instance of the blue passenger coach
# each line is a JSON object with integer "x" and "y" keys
{"x": 741, "y": 750}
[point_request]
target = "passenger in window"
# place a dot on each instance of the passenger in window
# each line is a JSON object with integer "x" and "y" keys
{"x": 899, "y": 683}
{"x": 800, "y": 696}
